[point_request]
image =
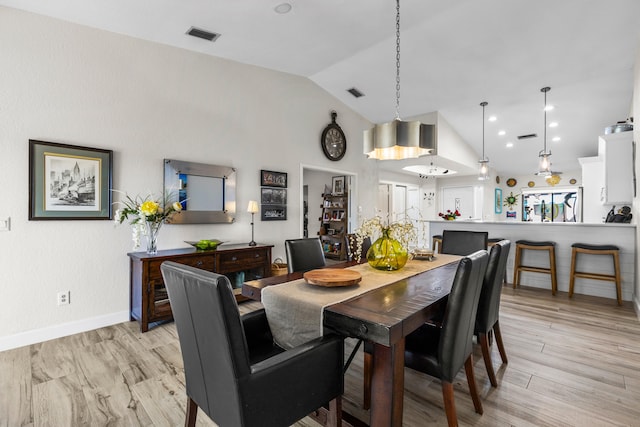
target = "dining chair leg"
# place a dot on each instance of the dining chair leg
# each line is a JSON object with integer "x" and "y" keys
{"x": 449, "y": 404}
{"x": 486, "y": 355}
{"x": 498, "y": 335}
{"x": 471, "y": 379}
{"x": 192, "y": 413}
{"x": 334, "y": 418}
{"x": 367, "y": 372}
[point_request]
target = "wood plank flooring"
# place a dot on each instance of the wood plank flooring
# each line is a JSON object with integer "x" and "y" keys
{"x": 571, "y": 363}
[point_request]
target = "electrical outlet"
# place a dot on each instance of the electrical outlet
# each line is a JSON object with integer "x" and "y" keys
{"x": 64, "y": 298}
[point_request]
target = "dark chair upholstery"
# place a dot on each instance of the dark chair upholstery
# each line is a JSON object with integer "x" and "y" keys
{"x": 304, "y": 254}
{"x": 489, "y": 306}
{"x": 351, "y": 245}
{"x": 442, "y": 351}
{"x": 234, "y": 372}
{"x": 461, "y": 242}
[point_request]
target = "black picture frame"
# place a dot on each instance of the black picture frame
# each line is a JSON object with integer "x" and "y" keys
{"x": 273, "y": 179}
{"x": 69, "y": 182}
{"x": 273, "y": 196}
{"x": 273, "y": 212}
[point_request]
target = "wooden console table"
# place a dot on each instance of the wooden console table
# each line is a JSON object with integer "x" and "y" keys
{"x": 149, "y": 301}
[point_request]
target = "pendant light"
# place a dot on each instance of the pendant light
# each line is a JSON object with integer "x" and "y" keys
{"x": 483, "y": 174}
{"x": 398, "y": 139}
{"x": 544, "y": 165}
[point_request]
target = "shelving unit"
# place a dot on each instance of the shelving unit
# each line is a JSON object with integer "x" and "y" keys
{"x": 333, "y": 225}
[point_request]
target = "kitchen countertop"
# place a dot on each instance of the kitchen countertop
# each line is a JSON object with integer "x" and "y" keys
{"x": 570, "y": 224}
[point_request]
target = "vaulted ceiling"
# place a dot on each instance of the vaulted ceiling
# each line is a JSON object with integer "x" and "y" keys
{"x": 454, "y": 55}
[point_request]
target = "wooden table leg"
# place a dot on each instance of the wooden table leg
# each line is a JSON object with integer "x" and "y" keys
{"x": 387, "y": 385}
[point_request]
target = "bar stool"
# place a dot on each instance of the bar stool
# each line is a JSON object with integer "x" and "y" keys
{"x": 535, "y": 246}
{"x": 583, "y": 248}
{"x": 436, "y": 239}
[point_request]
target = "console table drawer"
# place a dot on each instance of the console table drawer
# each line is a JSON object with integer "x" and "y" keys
{"x": 203, "y": 262}
{"x": 242, "y": 260}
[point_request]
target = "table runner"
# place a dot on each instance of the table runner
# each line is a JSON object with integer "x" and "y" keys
{"x": 295, "y": 309}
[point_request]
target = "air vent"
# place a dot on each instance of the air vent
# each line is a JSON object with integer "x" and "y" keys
{"x": 203, "y": 34}
{"x": 531, "y": 135}
{"x": 355, "y": 92}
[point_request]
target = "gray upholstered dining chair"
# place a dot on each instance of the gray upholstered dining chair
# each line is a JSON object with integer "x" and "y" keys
{"x": 462, "y": 242}
{"x": 304, "y": 254}
{"x": 234, "y": 372}
{"x": 487, "y": 318}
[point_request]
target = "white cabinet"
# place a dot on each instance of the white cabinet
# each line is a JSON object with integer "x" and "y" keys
{"x": 593, "y": 189}
{"x": 617, "y": 155}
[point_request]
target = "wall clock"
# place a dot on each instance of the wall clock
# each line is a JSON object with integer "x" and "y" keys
{"x": 333, "y": 141}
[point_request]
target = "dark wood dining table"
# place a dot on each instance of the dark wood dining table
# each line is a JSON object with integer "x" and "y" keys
{"x": 383, "y": 317}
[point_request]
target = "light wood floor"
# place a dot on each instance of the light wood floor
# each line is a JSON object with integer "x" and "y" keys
{"x": 571, "y": 363}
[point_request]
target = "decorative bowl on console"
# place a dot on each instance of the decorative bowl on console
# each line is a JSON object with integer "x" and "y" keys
{"x": 206, "y": 244}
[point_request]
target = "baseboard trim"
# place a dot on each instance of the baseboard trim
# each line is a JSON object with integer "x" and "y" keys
{"x": 62, "y": 330}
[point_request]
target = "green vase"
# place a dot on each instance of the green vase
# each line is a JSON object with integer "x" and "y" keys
{"x": 387, "y": 253}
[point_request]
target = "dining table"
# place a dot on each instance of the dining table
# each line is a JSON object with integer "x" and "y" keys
{"x": 382, "y": 309}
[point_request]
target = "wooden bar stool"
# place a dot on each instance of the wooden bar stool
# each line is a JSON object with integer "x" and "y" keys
{"x": 535, "y": 246}
{"x": 583, "y": 248}
{"x": 436, "y": 239}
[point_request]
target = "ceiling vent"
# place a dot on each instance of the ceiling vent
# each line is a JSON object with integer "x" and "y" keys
{"x": 203, "y": 34}
{"x": 531, "y": 135}
{"x": 355, "y": 92}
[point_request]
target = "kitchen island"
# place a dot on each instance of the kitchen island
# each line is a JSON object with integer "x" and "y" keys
{"x": 564, "y": 234}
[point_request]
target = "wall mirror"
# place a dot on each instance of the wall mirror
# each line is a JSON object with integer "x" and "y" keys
{"x": 206, "y": 192}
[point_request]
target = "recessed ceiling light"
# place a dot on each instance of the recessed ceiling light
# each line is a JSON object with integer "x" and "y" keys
{"x": 283, "y": 8}
{"x": 493, "y": 118}
{"x": 501, "y": 133}
{"x": 556, "y": 139}
{"x": 549, "y": 108}
{"x": 509, "y": 144}
{"x": 553, "y": 124}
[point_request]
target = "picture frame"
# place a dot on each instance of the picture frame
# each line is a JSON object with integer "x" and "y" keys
{"x": 337, "y": 185}
{"x": 498, "y": 201}
{"x": 69, "y": 182}
{"x": 273, "y": 179}
{"x": 273, "y": 196}
{"x": 273, "y": 213}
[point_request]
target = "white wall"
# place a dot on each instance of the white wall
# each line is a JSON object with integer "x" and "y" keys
{"x": 67, "y": 83}
{"x": 636, "y": 202}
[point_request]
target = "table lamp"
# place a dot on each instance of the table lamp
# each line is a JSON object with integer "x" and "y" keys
{"x": 252, "y": 209}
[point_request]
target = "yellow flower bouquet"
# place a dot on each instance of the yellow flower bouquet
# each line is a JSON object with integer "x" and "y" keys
{"x": 146, "y": 215}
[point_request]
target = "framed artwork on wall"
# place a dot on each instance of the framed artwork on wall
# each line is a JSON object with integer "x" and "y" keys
{"x": 69, "y": 182}
{"x": 274, "y": 213}
{"x": 273, "y": 179}
{"x": 273, "y": 196}
{"x": 498, "y": 201}
{"x": 337, "y": 187}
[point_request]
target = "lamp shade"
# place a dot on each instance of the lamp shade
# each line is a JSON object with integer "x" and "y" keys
{"x": 253, "y": 207}
{"x": 399, "y": 140}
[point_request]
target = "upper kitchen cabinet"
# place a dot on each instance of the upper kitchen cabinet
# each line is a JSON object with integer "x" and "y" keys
{"x": 616, "y": 151}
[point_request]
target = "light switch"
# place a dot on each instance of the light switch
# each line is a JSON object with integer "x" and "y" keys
{"x": 5, "y": 224}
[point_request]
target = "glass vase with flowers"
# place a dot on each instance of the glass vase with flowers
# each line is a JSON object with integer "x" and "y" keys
{"x": 146, "y": 215}
{"x": 390, "y": 250}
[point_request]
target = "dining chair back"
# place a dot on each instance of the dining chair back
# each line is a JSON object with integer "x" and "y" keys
{"x": 487, "y": 318}
{"x": 352, "y": 245}
{"x": 463, "y": 242}
{"x": 441, "y": 351}
{"x": 233, "y": 370}
{"x": 304, "y": 254}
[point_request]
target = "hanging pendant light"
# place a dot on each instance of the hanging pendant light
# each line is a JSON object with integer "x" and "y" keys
{"x": 483, "y": 174}
{"x": 544, "y": 161}
{"x": 399, "y": 139}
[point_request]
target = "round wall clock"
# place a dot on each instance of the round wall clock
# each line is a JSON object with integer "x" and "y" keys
{"x": 333, "y": 141}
